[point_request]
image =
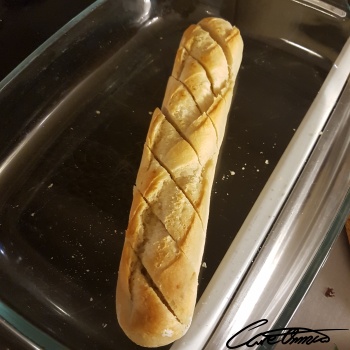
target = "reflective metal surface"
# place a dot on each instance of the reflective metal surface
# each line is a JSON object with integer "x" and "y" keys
{"x": 337, "y": 8}
{"x": 296, "y": 237}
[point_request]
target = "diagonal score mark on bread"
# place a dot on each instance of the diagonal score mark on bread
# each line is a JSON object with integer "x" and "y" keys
{"x": 177, "y": 182}
{"x": 201, "y": 46}
{"x": 193, "y": 75}
{"x": 228, "y": 38}
{"x": 182, "y": 112}
{"x": 160, "y": 256}
{"x": 164, "y": 242}
{"x": 216, "y": 41}
{"x": 230, "y": 41}
{"x": 170, "y": 205}
{"x": 137, "y": 270}
{"x": 148, "y": 326}
{"x": 194, "y": 78}
{"x": 192, "y": 88}
{"x": 185, "y": 244}
{"x": 179, "y": 159}
{"x": 201, "y": 66}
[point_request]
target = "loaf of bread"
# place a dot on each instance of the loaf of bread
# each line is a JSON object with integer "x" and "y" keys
{"x": 165, "y": 238}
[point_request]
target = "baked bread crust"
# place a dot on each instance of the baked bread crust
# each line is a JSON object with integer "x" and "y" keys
{"x": 164, "y": 242}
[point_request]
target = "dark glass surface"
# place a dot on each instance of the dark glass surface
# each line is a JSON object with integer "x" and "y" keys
{"x": 26, "y": 24}
{"x": 73, "y": 124}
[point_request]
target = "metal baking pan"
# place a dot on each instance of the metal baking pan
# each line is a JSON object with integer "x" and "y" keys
{"x": 74, "y": 116}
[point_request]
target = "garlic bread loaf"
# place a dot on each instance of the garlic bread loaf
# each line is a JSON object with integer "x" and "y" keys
{"x": 165, "y": 237}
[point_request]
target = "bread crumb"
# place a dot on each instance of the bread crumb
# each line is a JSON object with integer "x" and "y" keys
{"x": 50, "y": 186}
{"x": 167, "y": 333}
{"x": 329, "y": 293}
{"x": 204, "y": 264}
{"x": 267, "y": 161}
{"x": 98, "y": 112}
{"x": 226, "y": 177}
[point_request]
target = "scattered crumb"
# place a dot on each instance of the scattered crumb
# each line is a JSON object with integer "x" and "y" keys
{"x": 329, "y": 293}
{"x": 267, "y": 161}
{"x": 150, "y": 112}
{"x": 91, "y": 299}
{"x": 32, "y": 214}
{"x": 50, "y": 186}
{"x": 225, "y": 177}
{"x": 104, "y": 325}
{"x": 161, "y": 38}
{"x": 98, "y": 112}
{"x": 204, "y": 264}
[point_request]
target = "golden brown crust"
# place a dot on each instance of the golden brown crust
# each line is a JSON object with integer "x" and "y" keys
{"x": 193, "y": 75}
{"x": 153, "y": 328}
{"x": 164, "y": 241}
{"x": 228, "y": 38}
{"x": 171, "y": 206}
{"x": 196, "y": 128}
{"x": 203, "y": 48}
{"x": 180, "y": 160}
